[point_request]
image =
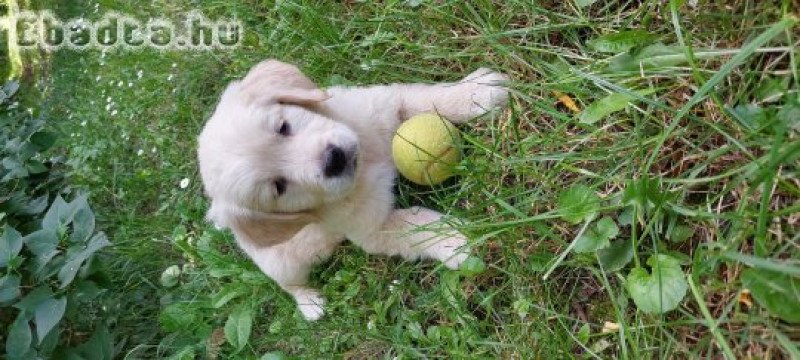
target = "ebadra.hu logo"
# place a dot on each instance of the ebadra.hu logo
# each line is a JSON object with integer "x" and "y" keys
{"x": 43, "y": 30}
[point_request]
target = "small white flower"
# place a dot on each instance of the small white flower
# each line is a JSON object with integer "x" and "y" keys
{"x": 108, "y": 107}
{"x": 98, "y": 78}
{"x": 108, "y": 99}
{"x": 174, "y": 65}
{"x": 130, "y": 84}
{"x": 139, "y": 74}
{"x": 140, "y": 152}
{"x": 153, "y": 150}
{"x": 169, "y": 78}
{"x": 83, "y": 123}
{"x": 371, "y": 325}
{"x": 114, "y": 113}
{"x": 184, "y": 183}
{"x": 120, "y": 83}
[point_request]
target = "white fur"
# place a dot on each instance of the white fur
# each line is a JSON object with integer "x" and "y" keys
{"x": 241, "y": 155}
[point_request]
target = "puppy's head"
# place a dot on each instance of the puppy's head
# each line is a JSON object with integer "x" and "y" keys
{"x": 266, "y": 151}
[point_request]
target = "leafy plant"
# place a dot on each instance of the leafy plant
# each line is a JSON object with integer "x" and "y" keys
{"x": 621, "y": 41}
{"x": 607, "y": 105}
{"x": 660, "y": 290}
{"x": 778, "y": 292}
{"x": 578, "y": 203}
{"x": 597, "y": 237}
{"x": 51, "y": 272}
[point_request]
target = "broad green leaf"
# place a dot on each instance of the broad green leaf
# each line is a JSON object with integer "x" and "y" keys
{"x": 625, "y": 218}
{"x": 583, "y": 334}
{"x": 584, "y": 3}
{"x": 790, "y": 113}
{"x": 227, "y": 294}
{"x": 607, "y": 228}
{"x": 35, "y": 166}
{"x": 772, "y": 89}
{"x": 177, "y": 317}
{"x": 9, "y": 89}
{"x": 9, "y": 288}
{"x": 16, "y": 169}
{"x": 578, "y": 203}
{"x": 644, "y": 192}
{"x": 47, "y": 315}
{"x": 100, "y": 346}
{"x": 621, "y": 41}
{"x": 41, "y": 242}
{"x": 590, "y": 241}
{"x": 522, "y": 307}
{"x": 187, "y": 353}
{"x": 680, "y": 233}
{"x": 472, "y": 266}
{"x": 76, "y": 259}
{"x": 34, "y": 298}
{"x": 57, "y": 215}
{"x": 660, "y": 291}
{"x": 10, "y": 245}
{"x": 653, "y": 56}
{"x": 49, "y": 343}
{"x": 599, "y": 109}
{"x": 238, "y": 326}
{"x": 617, "y": 255}
{"x": 18, "y": 340}
{"x": 82, "y": 225}
{"x": 781, "y": 266}
{"x": 43, "y": 140}
{"x": 777, "y": 292}
{"x": 751, "y": 116}
{"x": 44, "y": 245}
{"x": 35, "y": 206}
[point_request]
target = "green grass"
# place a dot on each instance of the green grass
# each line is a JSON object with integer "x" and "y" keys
{"x": 733, "y": 184}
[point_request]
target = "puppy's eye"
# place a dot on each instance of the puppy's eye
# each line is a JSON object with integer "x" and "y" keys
{"x": 285, "y": 129}
{"x": 280, "y": 186}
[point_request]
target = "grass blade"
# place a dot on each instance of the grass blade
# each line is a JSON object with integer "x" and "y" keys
{"x": 779, "y": 27}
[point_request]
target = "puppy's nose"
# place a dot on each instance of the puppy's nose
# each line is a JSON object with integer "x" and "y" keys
{"x": 338, "y": 161}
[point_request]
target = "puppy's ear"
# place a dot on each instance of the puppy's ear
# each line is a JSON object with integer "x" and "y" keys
{"x": 272, "y": 81}
{"x": 268, "y": 229}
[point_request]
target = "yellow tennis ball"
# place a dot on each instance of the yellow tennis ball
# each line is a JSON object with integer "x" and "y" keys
{"x": 425, "y": 149}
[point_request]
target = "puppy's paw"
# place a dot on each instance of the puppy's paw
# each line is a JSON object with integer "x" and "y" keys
{"x": 486, "y": 90}
{"x": 310, "y": 303}
{"x": 452, "y": 250}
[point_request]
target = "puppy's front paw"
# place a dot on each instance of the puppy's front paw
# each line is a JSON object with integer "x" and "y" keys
{"x": 486, "y": 90}
{"x": 452, "y": 250}
{"x": 310, "y": 303}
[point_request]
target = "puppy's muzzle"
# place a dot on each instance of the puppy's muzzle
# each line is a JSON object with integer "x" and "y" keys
{"x": 339, "y": 161}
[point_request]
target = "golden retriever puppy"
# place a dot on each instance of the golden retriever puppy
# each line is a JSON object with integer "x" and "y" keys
{"x": 293, "y": 170}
